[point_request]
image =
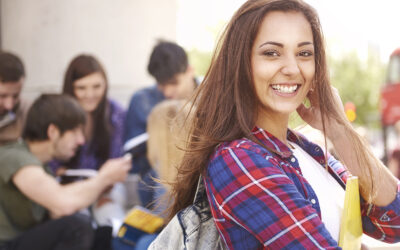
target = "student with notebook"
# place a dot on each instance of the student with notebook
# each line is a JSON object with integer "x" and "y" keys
{"x": 86, "y": 81}
{"x": 268, "y": 186}
{"x": 36, "y": 212}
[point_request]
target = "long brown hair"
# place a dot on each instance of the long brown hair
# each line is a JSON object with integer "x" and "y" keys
{"x": 81, "y": 66}
{"x": 226, "y": 102}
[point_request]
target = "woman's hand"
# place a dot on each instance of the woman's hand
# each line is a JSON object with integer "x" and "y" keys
{"x": 116, "y": 170}
{"x": 312, "y": 115}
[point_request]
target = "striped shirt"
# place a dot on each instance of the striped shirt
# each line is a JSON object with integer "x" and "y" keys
{"x": 260, "y": 200}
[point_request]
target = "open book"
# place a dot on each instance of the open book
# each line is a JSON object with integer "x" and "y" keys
{"x": 80, "y": 173}
{"x": 128, "y": 146}
{"x": 135, "y": 141}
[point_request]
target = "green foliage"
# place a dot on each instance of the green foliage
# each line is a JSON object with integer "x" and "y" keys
{"x": 200, "y": 60}
{"x": 359, "y": 82}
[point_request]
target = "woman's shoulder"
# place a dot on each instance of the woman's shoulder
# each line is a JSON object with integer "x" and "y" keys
{"x": 241, "y": 149}
{"x": 146, "y": 93}
{"x": 117, "y": 112}
{"x": 239, "y": 159}
{"x": 238, "y": 144}
{"x": 115, "y": 106}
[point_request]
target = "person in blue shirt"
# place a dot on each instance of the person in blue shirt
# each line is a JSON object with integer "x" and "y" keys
{"x": 175, "y": 79}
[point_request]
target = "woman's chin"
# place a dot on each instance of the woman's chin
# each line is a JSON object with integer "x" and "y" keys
{"x": 89, "y": 108}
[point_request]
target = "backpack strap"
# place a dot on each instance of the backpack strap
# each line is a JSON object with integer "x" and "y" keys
{"x": 200, "y": 190}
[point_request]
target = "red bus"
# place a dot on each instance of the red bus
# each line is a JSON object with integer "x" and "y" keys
{"x": 390, "y": 97}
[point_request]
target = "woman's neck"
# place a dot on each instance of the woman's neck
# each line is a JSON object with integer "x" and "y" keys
{"x": 89, "y": 127}
{"x": 275, "y": 123}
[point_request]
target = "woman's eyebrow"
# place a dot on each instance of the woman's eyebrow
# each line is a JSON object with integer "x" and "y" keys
{"x": 272, "y": 43}
{"x": 281, "y": 45}
{"x": 304, "y": 44}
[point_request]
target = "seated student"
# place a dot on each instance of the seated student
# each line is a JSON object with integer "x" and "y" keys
{"x": 12, "y": 109}
{"x": 164, "y": 151}
{"x": 86, "y": 81}
{"x": 169, "y": 66}
{"x": 36, "y": 212}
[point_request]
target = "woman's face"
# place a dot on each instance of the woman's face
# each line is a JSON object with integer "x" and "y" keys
{"x": 282, "y": 62}
{"x": 89, "y": 91}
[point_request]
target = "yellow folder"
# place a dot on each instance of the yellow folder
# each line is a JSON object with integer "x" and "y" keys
{"x": 143, "y": 219}
{"x": 351, "y": 227}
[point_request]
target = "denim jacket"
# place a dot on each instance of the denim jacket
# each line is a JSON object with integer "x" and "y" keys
{"x": 191, "y": 228}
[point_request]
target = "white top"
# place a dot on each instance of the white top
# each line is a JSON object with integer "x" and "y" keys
{"x": 329, "y": 192}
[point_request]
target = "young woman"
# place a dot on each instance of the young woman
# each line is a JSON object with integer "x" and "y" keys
{"x": 268, "y": 186}
{"x": 86, "y": 80}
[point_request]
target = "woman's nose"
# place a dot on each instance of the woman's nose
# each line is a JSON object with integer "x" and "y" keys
{"x": 290, "y": 66}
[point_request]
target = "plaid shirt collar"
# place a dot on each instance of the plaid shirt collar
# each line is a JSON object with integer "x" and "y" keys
{"x": 284, "y": 151}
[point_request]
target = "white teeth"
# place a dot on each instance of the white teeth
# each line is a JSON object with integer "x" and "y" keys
{"x": 284, "y": 88}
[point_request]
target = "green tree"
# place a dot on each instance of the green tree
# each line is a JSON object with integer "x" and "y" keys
{"x": 359, "y": 82}
{"x": 200, "y": 60}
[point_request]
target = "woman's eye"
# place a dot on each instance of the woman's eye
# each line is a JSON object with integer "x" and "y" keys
{"x": 271, "y": 53}
{"x": 305, "y": 53}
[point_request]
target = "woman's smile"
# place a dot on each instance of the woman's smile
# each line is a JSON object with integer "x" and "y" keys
{"x": 286, "y": 89}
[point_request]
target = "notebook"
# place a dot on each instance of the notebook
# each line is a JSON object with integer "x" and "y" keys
{"x": 351, "y": 227}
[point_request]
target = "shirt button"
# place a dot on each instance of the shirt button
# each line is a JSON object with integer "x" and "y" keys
{"x": 385, "y": 218}
{"x": 293, "y": 159}
{"x": 313, "y": 201}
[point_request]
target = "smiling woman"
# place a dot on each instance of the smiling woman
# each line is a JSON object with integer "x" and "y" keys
{"x": 268, "y": 186}
{"x": 283, "y": 66}
{"x": 86, "y": 81}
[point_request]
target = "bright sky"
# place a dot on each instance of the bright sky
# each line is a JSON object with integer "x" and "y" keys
{"x": 347, "y": 24}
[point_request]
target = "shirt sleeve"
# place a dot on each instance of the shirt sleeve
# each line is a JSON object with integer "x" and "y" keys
{"x": 136, "y": 119}
{"x": 382, "y": 223}
{"x": 118, "y": 115}
{"x": 256, "y": 195}
{"x": 13, "y": 160}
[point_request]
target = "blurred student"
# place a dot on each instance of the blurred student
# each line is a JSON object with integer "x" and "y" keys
{"x": 36, "y": 212}
{"x": 174, "y": 77}
{"x": 86, "y": 81}
{"x": 12, "y": 109}
{"x": 164, "y": 150}
{"x": 166, "y": 143}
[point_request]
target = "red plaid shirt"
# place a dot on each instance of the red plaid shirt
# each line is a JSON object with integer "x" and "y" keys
{"x": 260, "y": 200}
